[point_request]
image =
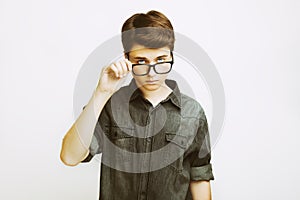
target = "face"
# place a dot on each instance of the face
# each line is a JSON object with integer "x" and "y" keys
{"x": 141, "y": 55}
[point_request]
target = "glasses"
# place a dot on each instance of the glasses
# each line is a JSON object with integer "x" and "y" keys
{"x": 159, "y": 68}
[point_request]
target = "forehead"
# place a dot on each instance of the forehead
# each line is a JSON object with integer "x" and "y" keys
{"x": 150, "y": 53}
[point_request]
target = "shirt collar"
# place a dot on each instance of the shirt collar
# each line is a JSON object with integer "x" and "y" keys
{"x": 175, "y": 95}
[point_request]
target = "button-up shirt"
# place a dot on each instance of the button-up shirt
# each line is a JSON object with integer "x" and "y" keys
{"x": 151, "y": 153}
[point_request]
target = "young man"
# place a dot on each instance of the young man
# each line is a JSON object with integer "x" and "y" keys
{"x": 144, "y": 118}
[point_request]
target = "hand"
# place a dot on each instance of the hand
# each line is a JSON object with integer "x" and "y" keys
{"x": 113, "y": 75}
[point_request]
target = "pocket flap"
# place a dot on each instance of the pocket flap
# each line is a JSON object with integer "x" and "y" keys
{"x": 121, "y": 132}
{"x": 180, "y": 140}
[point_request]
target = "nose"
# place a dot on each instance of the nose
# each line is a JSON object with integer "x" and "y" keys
{"x": 151, "y": 72}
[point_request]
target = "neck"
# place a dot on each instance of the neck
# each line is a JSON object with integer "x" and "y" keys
{"x": 158, "y": 95}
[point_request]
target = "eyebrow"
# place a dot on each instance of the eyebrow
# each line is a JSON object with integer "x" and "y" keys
{"x": 139, "y": 57}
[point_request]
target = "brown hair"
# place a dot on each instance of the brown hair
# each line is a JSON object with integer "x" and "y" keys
{"x": 152, "y": 30}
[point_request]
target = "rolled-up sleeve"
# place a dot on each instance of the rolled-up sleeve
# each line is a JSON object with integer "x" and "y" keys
{"x": 202, "y": 173}
{"x": 200, "y": 157}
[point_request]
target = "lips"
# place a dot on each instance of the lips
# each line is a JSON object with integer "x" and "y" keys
{"x": 152, "y": 81}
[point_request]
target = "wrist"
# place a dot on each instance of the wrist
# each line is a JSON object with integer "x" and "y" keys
{"x": 104, "y": 93}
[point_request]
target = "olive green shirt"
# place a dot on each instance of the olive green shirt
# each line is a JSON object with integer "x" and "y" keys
{"x": 151, "y": 153}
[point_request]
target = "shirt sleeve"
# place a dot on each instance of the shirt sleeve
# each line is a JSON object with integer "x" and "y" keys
{"x": 96, "y": 146}
{"x": 200, "y": 156}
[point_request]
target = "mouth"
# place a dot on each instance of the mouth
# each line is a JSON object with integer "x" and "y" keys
{"x": 151, "y": 81}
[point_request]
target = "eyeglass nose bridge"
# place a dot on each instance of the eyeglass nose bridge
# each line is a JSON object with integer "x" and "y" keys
{"x": 152, "y": 66}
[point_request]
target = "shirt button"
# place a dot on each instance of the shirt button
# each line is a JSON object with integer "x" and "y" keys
{"x": 148, "y": 139}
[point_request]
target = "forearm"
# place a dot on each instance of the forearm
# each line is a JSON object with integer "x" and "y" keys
{"x": 200, "y": 190}
{"x": 78, "y": 138}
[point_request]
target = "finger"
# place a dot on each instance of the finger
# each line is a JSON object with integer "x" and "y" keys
{"x": 120, "y": 68}
{"x": 115, "y": 70}
{"x": 124, "y": 67}
{"x": 129, "y": 64}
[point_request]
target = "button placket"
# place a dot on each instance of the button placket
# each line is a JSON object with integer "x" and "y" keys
{"x": 145, "y": 165}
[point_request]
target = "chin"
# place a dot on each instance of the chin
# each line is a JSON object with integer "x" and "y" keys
{"x": 151, "y": 87}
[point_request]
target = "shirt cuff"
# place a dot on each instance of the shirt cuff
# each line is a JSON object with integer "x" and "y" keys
{"x": 202, "y": 173}
{"x": 88, "y": 158}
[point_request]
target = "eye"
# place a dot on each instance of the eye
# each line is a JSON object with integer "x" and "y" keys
{"x": 160, "y": 60}
{"x": 141, "y": 62}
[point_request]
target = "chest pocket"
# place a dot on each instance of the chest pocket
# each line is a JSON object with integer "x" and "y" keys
{"x": 178, "y": 144}
{"x": 122, "y": 137}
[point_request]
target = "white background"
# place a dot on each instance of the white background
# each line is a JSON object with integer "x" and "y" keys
{"x": 254, "y": 45}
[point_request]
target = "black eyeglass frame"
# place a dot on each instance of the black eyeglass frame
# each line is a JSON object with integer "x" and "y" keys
{"x": 149, "y": 65}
